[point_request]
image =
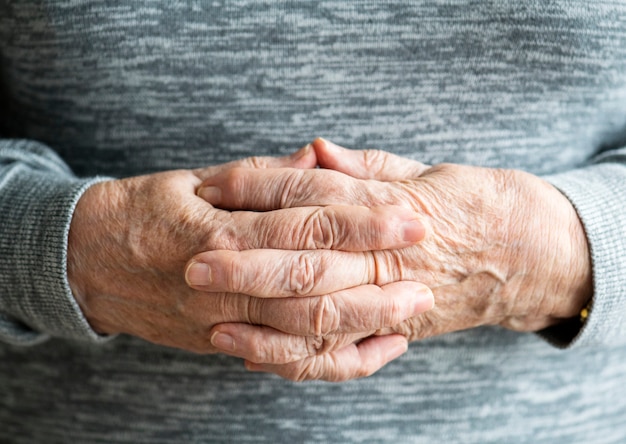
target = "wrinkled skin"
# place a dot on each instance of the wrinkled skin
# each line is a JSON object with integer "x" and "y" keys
{"x": 502, "y": 247}
{"x": 129, "y": 247}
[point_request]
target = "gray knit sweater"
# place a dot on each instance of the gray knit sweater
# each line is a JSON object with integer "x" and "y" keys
{"x": 100, "y": 88}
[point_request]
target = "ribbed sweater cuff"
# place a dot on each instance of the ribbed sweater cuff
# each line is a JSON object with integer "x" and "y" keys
{"x": 597, "y": 193}
{"x": 38, "y": 302}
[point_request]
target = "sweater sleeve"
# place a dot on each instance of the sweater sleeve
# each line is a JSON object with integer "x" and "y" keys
{"x": 38, "y": 194}
{"x": 598, "y": 193}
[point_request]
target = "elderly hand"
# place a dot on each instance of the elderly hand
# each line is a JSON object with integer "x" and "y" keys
{"x": 502, "y": 246}
{"x": 130, "y": 243}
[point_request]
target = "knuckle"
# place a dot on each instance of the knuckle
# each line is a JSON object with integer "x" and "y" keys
{"x": 319, "y": 345}
{"x": 374, "y": 160}
{"x": 392, "y": 314}
{"x": 222, "y": 233}
{"x": 307, "y": 370}
{"x": 314, "y": 344}
{"x": 324, "y": 315}
{"x": 293, "y": 189}
{"x": 257, "y": 162}
{"x": 235, "y": 279}
{"x": 303, "y": 274}
{"x": 260, "y": 352}
{"x": 320, "y": 230}
{"x": 415, "y": 328}
{"x": 276, "y": 352}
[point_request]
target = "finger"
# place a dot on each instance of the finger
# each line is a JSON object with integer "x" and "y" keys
{"x": 260, "y": 344}
{"x": 366, "y": 164}
{"x": 347, "y": 228}
{"x": 351, "y": 362}
{"x": 354, "y": 310}
{"x": 271, "y": 189}
{"x": 281, "y": 273}
{"x": 303, "y": 158}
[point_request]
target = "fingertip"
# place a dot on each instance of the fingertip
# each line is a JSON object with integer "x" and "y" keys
{"x": 304, "y": 158}
{"x": 324, "y": 145}
{"x": 397, "y": 348}
{"x": 319, "y": 143}
{"x": 223, "y": 342}
{"x": 211, "y": 194}
{"x": 424, "y": 298}
{"x": 334, "y": 157}
{"x": 413, "y": 231}
{"x": 418, "y": 297}
{"x": 302, "y": 152}
{"x": 327, "y": 153}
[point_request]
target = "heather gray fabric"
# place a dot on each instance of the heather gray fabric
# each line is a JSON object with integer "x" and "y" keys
{"x": 92, "y": 89}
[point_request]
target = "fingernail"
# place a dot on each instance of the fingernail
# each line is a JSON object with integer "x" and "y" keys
{"x": 301, "y": 152}
{"x": 198, "y": 274}
{"x": 212, "y": 195}
{"x": 413, "y": 231}
{"x": 397, "y": 350}
{"x": 223, "y": 341}
{"x": 424, "y": 300}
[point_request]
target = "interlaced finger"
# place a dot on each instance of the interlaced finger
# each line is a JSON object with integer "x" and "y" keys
{"x": 351, "y": 362}
{"x": 348, "y": 228}
{"x": 275, "y": 188}
{"x": 354, "y": 310}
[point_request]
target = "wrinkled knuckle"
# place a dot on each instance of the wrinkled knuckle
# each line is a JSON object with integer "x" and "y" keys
{"x": 418, "y": 327}
{"x": 235, "y": 279}
{"x": 392, "y": 314}
{"x": 293, "y": 189}
{"x": 313, "y": 345}
{"x": 374, "y": 160}
{"x": 259, "y": 353}
{"x": 325, "y": 316}
{"x": 278, "y": 353}
{"x": 321, "y": 230}
{"x": 221, "y": 232}
{"x": 257, "y": 162}
{"x": 303, "y": 274}
{"x": 319, "y": 345}
{"x": 303, "y": 371}
{"x": 406, "y": 328}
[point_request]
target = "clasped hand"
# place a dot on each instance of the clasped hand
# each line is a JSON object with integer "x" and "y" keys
{"x": 502, "y": 247}
{"x": 314, "y": 273}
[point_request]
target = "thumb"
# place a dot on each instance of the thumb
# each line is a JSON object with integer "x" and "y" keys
{"x": 366, "y": 164}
